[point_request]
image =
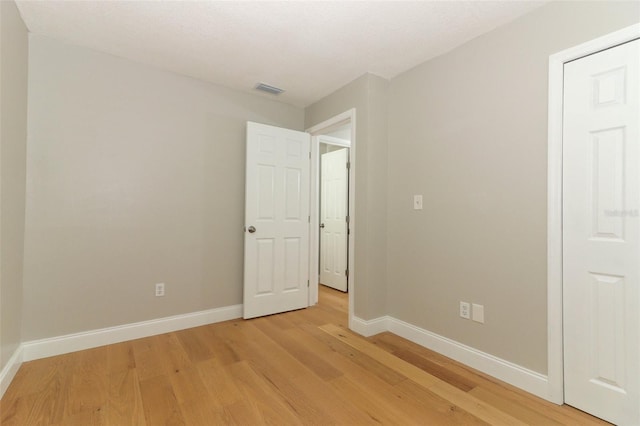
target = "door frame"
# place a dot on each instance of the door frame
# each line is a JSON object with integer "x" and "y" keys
{"x": 555, "y": 368}
{"x": 330, "y": 140}
{"x": 347, "y": 117}
{"x": 336, "y": 142}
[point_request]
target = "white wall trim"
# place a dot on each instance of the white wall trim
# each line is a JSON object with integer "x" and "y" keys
{"x": 511, "y": 373}
{"x": 43, "y": 348}
{"x": 10, "y": 369}
{"x": 335, "y": 121}
{"x": 499, "y": 368}
{"x": 506, "y": 371}
{"x": 554, "y": 199}
{"x": 330, "y": 140}
{"x": 368, "y": 328}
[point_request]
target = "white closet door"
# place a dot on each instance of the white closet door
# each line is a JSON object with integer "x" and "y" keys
{"x": 601, "y": 234}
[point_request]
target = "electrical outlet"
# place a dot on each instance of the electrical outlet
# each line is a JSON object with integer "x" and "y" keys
{"x": 159, "y": 289}
{"x": 478, "y": 313}
{"x": 465, "y": 310}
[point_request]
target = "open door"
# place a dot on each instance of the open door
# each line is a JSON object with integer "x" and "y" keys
{"x": 276, "y": 243}
{"x": 334, "y": 219}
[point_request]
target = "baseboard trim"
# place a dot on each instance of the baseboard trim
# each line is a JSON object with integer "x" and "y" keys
{"x": 43, "y": 348}
{"x": 368, "y": 328}
{"x": 506, "y": 371}
{"x": 516, "y": 375}
{"x": 10, "y": 369}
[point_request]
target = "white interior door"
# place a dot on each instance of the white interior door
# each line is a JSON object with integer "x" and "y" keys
{"x": 601, "y": 234}
{"x": 333, "y": 218}
{"x": 276, "y": 245}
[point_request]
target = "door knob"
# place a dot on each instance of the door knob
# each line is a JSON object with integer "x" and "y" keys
{"x": 322, "y": 225}
{"x": 252, "y": 229}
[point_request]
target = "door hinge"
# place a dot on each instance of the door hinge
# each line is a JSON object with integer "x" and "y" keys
{"x": 346, "y": 273}
{"x": 307, "y": 283}
{"x": 348, "y": 165}
{"x": 309, "y": 155}
{"x": 309, "y": 219}
{"x": 348, "y": 219}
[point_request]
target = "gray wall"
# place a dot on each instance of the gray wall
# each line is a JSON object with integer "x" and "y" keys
{"x": 135, "y": 176}
{"x": 468, "y": 130}
{"x": 369, "y": 95}
{"x": 13, "y": 141}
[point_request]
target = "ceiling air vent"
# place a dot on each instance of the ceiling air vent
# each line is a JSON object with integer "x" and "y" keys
{"x": 269, "y": 89}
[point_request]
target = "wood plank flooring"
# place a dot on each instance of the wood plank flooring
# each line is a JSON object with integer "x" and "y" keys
{"x": 301, "y": 367}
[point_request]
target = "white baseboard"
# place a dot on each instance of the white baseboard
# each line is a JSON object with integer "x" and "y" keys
{"x": 516, "y": 375}
{"x": 43, "y": 348}
{"x": 10, "y": 369}
{"x": 506, "y": 371}
{"x": 368, "y": 328}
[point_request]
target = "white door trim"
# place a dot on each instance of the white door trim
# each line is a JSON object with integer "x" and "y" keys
{"x": 315, "y": 131}
{"x": 330, "y": 140}
{"x": 554, "y": 199}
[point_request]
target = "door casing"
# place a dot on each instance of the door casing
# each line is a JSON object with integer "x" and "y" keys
{"x": 555, "y": 373}
{"x": 347, "y": 117}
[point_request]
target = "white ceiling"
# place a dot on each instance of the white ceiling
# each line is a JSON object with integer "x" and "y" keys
{"x": 308, "y": 48}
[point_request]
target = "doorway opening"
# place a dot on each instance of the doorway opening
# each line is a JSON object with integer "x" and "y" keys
{"x": 334, "y": 210}
{"x": 334, "y": 134}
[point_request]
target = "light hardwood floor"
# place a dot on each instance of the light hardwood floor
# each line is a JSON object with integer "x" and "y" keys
{"x": 301, "y": 367}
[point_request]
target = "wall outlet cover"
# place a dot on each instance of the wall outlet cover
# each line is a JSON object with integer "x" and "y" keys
{"x": 465, "y": 310}
{"x": 159, "y": 289}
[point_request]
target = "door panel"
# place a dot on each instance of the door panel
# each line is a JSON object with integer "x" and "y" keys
{"x": 276, "y": 264}
{"x": 333, "y": 217}
{"x": 601, "y": 234}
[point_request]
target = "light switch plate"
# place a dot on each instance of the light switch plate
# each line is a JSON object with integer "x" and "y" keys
{"x": 417, "y": 202}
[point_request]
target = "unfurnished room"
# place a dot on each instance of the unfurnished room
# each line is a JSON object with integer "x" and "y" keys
{"x": 327, "y": 213}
